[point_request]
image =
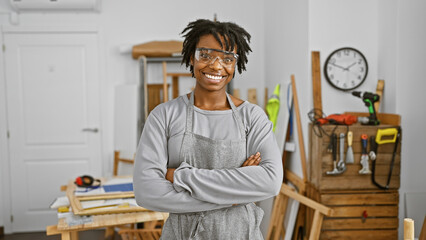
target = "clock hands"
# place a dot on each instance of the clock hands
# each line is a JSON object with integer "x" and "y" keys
{"x": 344, "y": 68}
{"x": 337, "y": 66}
{"x": 347, "y": 68}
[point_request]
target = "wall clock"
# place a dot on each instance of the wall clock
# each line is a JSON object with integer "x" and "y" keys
{"x": 346, "y": 68}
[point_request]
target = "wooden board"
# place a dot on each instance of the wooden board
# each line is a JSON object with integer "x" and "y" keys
{"x": 357, "y": 235}
{"x": 75, "y": 202}
{"x": 379, "y": 91}
{"x": 357, "y": 223}
{"x": 361, "y": 198}
{"x": 321, "y": 160}
{"x": 252, "y": 95}
{"x": 316, "y": 80}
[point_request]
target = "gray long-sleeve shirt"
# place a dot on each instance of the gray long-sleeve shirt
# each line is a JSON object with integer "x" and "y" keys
{"x": 196, "y": 189}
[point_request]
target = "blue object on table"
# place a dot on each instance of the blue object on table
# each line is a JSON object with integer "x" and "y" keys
{"x": 123, "y": 187}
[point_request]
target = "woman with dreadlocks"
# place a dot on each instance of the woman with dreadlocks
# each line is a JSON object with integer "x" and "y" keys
{"x": 205, "y": 157}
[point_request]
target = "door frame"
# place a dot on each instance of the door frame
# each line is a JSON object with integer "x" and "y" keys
{"x": 5, "y": 189}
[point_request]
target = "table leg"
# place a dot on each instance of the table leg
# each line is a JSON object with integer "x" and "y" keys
{"x": 109, "y": 233}
{"x": 74, "y": 235}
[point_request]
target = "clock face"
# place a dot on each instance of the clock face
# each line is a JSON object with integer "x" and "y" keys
{"x": 346, "y": 69}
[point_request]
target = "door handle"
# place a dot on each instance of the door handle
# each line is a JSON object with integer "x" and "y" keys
{"x": 94, "y": 130}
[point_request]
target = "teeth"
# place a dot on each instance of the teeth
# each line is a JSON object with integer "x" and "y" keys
{"x": 213, "y": 77}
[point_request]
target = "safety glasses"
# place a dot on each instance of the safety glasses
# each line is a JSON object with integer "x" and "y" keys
{"x": 209, "y": 56}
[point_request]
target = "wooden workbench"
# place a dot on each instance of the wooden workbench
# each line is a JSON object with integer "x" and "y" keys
{"x": 102, "y": 221}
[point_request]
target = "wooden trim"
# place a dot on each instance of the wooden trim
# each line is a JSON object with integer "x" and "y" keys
{"x": 381, "y": 234}
{"x": 165, "y": 90}
{"x": 288, "y": 191}
{"x": 316, "y": 80}
{"x": 299, "y": 129}
{"x": 379, "y": 91}
{"x": 384, "y": 118}
{"x": 1, "y": 231}
{"x": 295, "y": 180}
{"x": 423, "y": 231}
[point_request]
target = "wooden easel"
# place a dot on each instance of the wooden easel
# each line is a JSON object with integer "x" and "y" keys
{"x": 276, "y": 230}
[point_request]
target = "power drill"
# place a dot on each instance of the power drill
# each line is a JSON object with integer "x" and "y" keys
{"x": 369, "y": 99}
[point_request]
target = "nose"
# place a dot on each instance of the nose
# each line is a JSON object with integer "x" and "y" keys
{"x": 215, "y": 64}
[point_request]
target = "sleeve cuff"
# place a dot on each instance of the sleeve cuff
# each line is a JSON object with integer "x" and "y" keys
{"x": 177, "y": 177}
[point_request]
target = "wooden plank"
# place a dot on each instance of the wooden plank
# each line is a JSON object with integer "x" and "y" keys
{"x": 301, "y": 143}
{"x": 357, "y": 223}
{"x": 355, "y": 182}
{"x": 423, "y": 231}
{"x": 357, "y": 148}
{"x": 408, "y": 229}
{"x": 106, "y": 220}
{"x": 372, "y": 211}
{"x": 385, "y": 118}
{"x": 352, "y": 170}
{"x": 236, "y": 93}
{"x": 252, "y": 95}
{"x": 175, "y": 86}
{"x": 316, "y": 80}
{"x": 379, "y": 91}
{"x": 165, "y": 90}
{"x": 294, "y": 179}
{"x": 287, "y": 190}
{"x": 265, "y": 99}
{"x": 374, "y": 198}
{"x": 316, "y": 226}
{"x": 360, "y": 234}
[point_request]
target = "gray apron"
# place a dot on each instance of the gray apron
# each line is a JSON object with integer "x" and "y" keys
{"x": 237, "y": 222}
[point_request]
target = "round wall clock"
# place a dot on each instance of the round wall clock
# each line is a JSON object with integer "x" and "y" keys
{"x": 346, "y": 68}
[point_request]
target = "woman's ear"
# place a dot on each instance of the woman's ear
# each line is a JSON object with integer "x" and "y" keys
{"x": 191, "y": 60}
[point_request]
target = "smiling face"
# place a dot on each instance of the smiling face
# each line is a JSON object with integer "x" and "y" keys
{"x": 211, "y": 76}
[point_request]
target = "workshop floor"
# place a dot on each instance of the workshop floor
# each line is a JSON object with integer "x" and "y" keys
{"x": 86, "y": 235}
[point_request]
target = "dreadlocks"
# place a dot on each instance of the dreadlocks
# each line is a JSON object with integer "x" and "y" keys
{"x": 234, "y": 37}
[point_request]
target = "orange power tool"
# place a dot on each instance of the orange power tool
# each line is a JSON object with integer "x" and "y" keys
{"x": 341, "y": 119}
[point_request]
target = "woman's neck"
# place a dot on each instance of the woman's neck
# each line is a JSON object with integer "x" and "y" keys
{"x": 215, "y": 100}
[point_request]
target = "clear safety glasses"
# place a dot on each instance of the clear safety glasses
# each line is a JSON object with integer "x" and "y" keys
{"x": 209, "y": 56}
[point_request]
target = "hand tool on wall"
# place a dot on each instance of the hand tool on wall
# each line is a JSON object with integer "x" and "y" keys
{"x": 364, "y": 156}
{"x": 341, "y": 164}
{"x": 369, "y": 99}
{"x": 335, "y": 170}
{"x": 388, "y": 135}
{"x": 350, "y": 153}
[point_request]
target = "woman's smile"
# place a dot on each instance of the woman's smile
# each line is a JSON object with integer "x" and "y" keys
{"x": 214, "y": 78}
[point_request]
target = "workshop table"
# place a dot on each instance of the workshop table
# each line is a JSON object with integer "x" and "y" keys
{"x": 103, "y": 221}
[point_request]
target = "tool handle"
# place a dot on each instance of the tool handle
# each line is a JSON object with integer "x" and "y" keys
{"x": 364, "y": 141}
{"x": 350, "y": 138}
{"x": 334, "y": 145}
{"x": 342, "y": 145}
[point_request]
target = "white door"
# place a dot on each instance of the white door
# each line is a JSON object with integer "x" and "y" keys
{"x": 53, "y": 118}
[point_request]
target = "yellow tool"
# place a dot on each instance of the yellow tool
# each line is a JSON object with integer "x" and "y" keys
{"x": 384, "y": 134}
{"x": 273, "y": 106}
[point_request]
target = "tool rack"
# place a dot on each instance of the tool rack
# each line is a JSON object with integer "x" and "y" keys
{"x": 361, "y": 209}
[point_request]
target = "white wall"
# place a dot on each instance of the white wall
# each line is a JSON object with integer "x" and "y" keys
{"x": 335, "y": 24}
{"x": 410, "y": 97}
{"x": 286, "y": 52}
{"x": 130, "y": 22}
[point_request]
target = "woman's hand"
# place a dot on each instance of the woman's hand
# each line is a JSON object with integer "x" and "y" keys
{"x": 170, "y": 173}
{"x": 253, "y": 160}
